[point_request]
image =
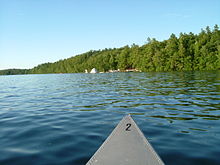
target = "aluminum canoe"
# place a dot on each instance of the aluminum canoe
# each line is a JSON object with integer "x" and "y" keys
{"x": 126, "y": 145}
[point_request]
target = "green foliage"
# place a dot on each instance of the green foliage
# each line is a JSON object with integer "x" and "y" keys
{"x": 14, "y": 71}
{"x": 184, "y": 53}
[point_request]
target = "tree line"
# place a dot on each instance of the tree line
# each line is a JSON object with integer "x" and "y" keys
{"x": 14, "y": 71}
{"x": 187, "y": 52}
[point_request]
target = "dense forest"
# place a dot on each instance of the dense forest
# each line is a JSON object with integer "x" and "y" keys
{"x": 187, "y": 52}
{"x": 14, "y": 71}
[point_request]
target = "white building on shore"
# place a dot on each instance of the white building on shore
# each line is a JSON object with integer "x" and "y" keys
{"x": 94, "y": 70}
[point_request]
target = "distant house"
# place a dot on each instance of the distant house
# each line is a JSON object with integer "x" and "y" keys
{"x": 113, "y": 71}
{"x": 94, "y": 70}
{"x": 132, "y": 70}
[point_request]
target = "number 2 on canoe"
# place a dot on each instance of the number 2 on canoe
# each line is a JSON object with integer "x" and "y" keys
{"x": 128, "y": 125}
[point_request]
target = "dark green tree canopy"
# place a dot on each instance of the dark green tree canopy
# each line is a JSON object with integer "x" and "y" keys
{"x": 183, "y": 53}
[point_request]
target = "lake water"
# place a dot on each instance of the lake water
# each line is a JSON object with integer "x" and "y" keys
{"x": 64, "y": 118}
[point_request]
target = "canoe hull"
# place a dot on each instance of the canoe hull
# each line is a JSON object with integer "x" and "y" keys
{"x": 126, "y": 145}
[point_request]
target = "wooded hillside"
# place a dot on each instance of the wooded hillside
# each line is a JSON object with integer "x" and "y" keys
{"x": 183, "y": 53}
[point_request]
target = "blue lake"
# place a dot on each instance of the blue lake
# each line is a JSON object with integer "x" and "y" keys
{"x": 64, "y": 118}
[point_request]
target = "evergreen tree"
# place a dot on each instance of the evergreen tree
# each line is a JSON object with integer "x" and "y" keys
{"x": 184, "y": 53}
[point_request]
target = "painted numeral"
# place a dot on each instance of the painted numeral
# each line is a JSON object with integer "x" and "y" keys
{"x": 127, "y": 127}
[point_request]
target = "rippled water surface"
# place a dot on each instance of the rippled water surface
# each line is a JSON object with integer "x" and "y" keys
{"x": 64, "y": 118}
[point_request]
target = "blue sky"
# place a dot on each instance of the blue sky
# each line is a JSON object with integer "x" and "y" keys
{"x": 38, "y": 31}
